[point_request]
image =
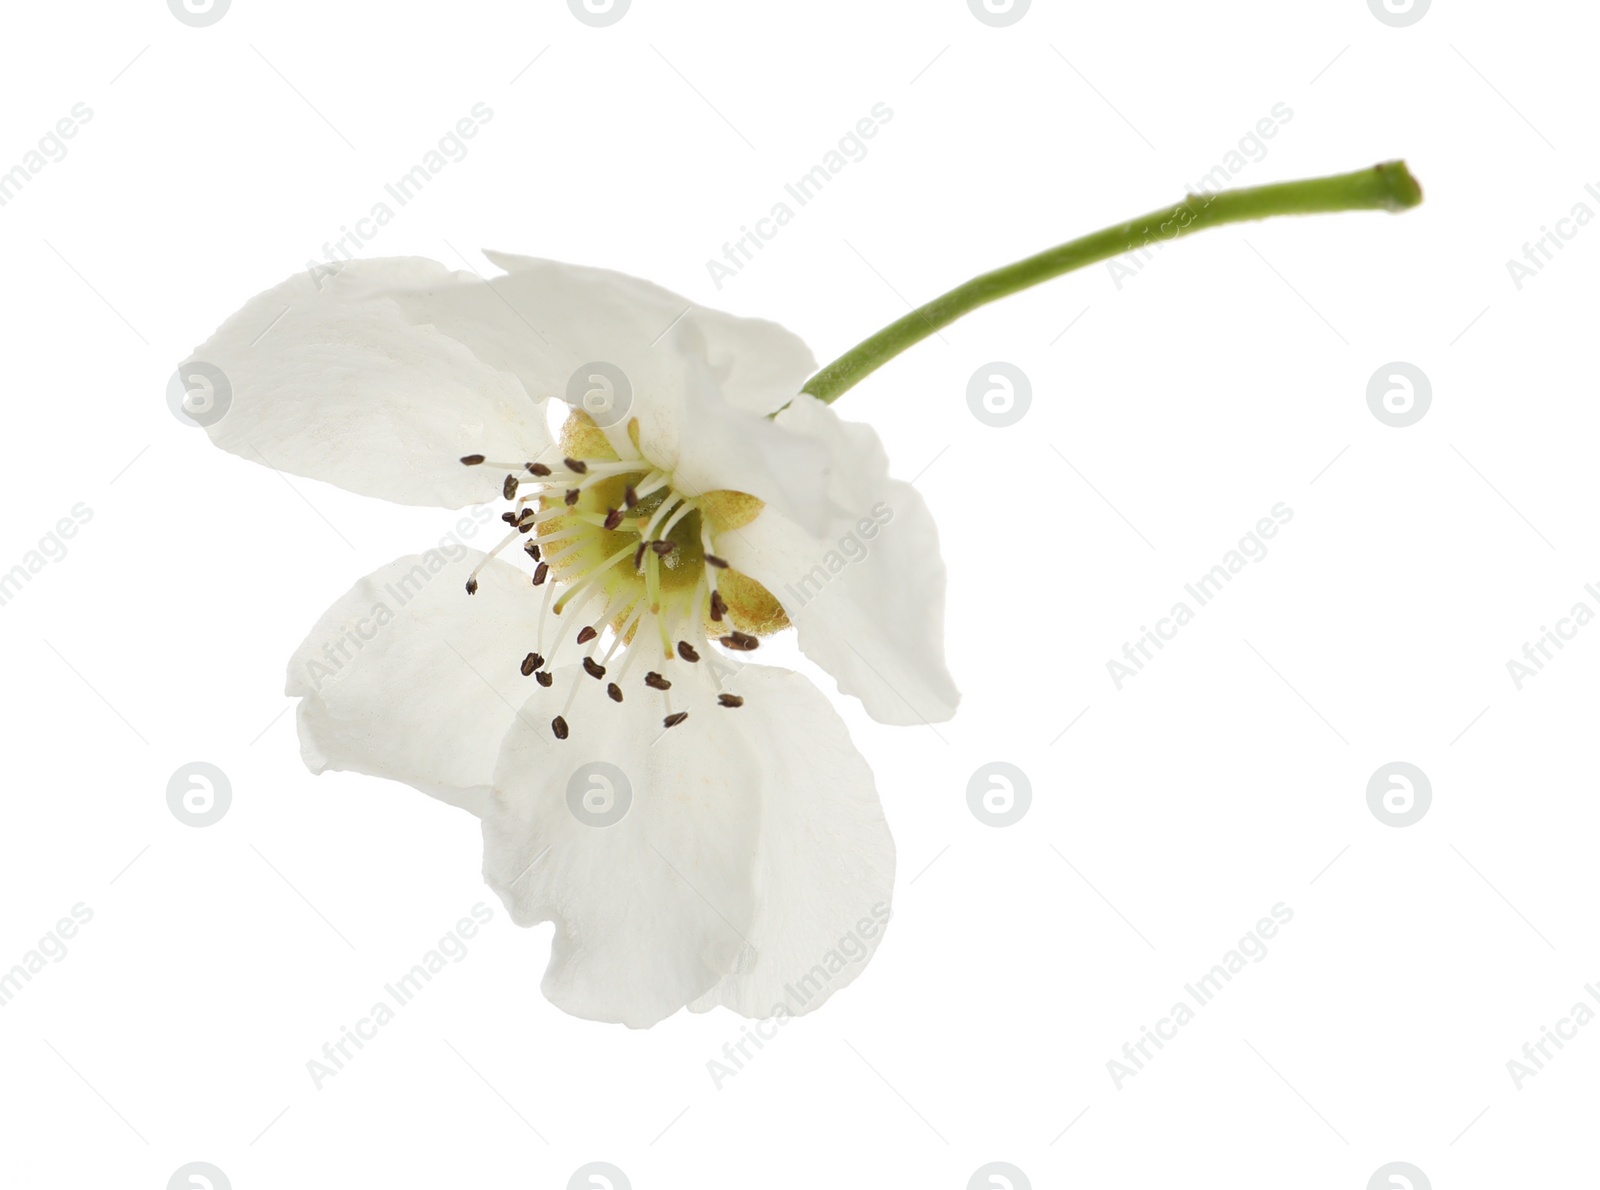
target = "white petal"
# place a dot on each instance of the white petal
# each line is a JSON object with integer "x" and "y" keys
{"x": 330, "y": 380}
{"x": 825, "y": 865}
{"x": 709, "y": 445}
{"x": 586, "y": 314}
{"x": 653, "y": 909}
{"x": 699, "y": 381}
{"x": 867, "y": 597}
{"x": 408, "y": 677}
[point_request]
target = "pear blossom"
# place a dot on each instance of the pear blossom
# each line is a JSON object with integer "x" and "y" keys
{"x": 699, "y": 828}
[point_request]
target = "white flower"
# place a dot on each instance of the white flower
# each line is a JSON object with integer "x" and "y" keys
{"x": 673, "y": 525}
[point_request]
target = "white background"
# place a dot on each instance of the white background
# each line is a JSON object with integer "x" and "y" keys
{"x": 1167, "y": 817}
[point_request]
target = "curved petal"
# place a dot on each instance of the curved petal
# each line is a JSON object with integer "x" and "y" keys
{"x": 327, "y": 378}
{"x": 652, "y": 909}
{"x": 583, "y": 314}
{"x": 824, "y": 868}
{"x": 709, "y": 445}
{"x": 408, "y": 677}
{"x": 866, "y": 598}
{"x": 698, "y": 381}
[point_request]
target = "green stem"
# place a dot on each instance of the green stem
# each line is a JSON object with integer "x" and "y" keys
{"x": 1385, "y": 187}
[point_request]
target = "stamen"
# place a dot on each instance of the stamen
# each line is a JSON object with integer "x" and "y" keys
{"x": 730, "y": 700}
{"x": 471, "y": 460}
{"x": 540, "y": 573}
{"x": 532, "y": 549}
{"x": 509, "y": 488}
{"x": 559, "y": 726}
{"x": 593, "y": 668}
{"x": 674, "y": 719}
{"x": 667, "y": 505}
{"x": 577, "y": 465}
{"x": 684, "y": 510}
{"x": 686, "y": 651}
{"x": 538, "y": 469}
{"x": 713, "y": 560}
{"x": 656, "y": 682}
{"x": 719, "y": 606}
{"x": 613, "y": 519}
{"x": 653, "y": 483}
{"x": 630, "y": 497}
{"x": 472, "y": 584}
{"x": 572, "y": 497}
{"x": 739, "y": 641}
{"x": 638, "y": 554}
{"x": 530, "y": 663}
{"x": 591, "y": 577}
{"x": 544, "y": 677}
{"x": 652, "y": 590}
{"x": 615, "y": 692}
{"x": 586, "y": 634}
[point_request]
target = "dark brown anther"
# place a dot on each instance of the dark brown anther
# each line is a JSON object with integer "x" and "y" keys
{"x": 509, "y": 518}
{"x": 719, "y": 563}
{"x": 740, "y": 641}
{"x": 572, "y": 496}
{"x": 719, "y": 606}
{"x": 675, "y": 718}
{"x": 559, "y": 726}
{"x": 538, "y": 469}
{"x": 686, "y": 651}
{"x": 656, "y": 682}
{"x": 663, "y": 547}
{"x": 615, "y": 691}
{"x": 472, "y": 586}
{"x": 529, "y": 664}
{"x": 630, "y": 497}
{"x": 533, "y": 550}
{"x": 593, "y": 668}
{"x": 471, "y": 460}
{"x": 613, "y": 518}
{"x": 586, "y": 634}
{"x": 638, "y": 555}
{"x": 729, "y": 700}
{"x": 540, "y": 573}
{"x": 509, "y": 488}
{"x": 544, "y": 678}
{"x": 577, "y": 465}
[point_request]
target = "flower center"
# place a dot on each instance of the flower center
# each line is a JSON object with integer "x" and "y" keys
{"x": 629, "y": 556}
